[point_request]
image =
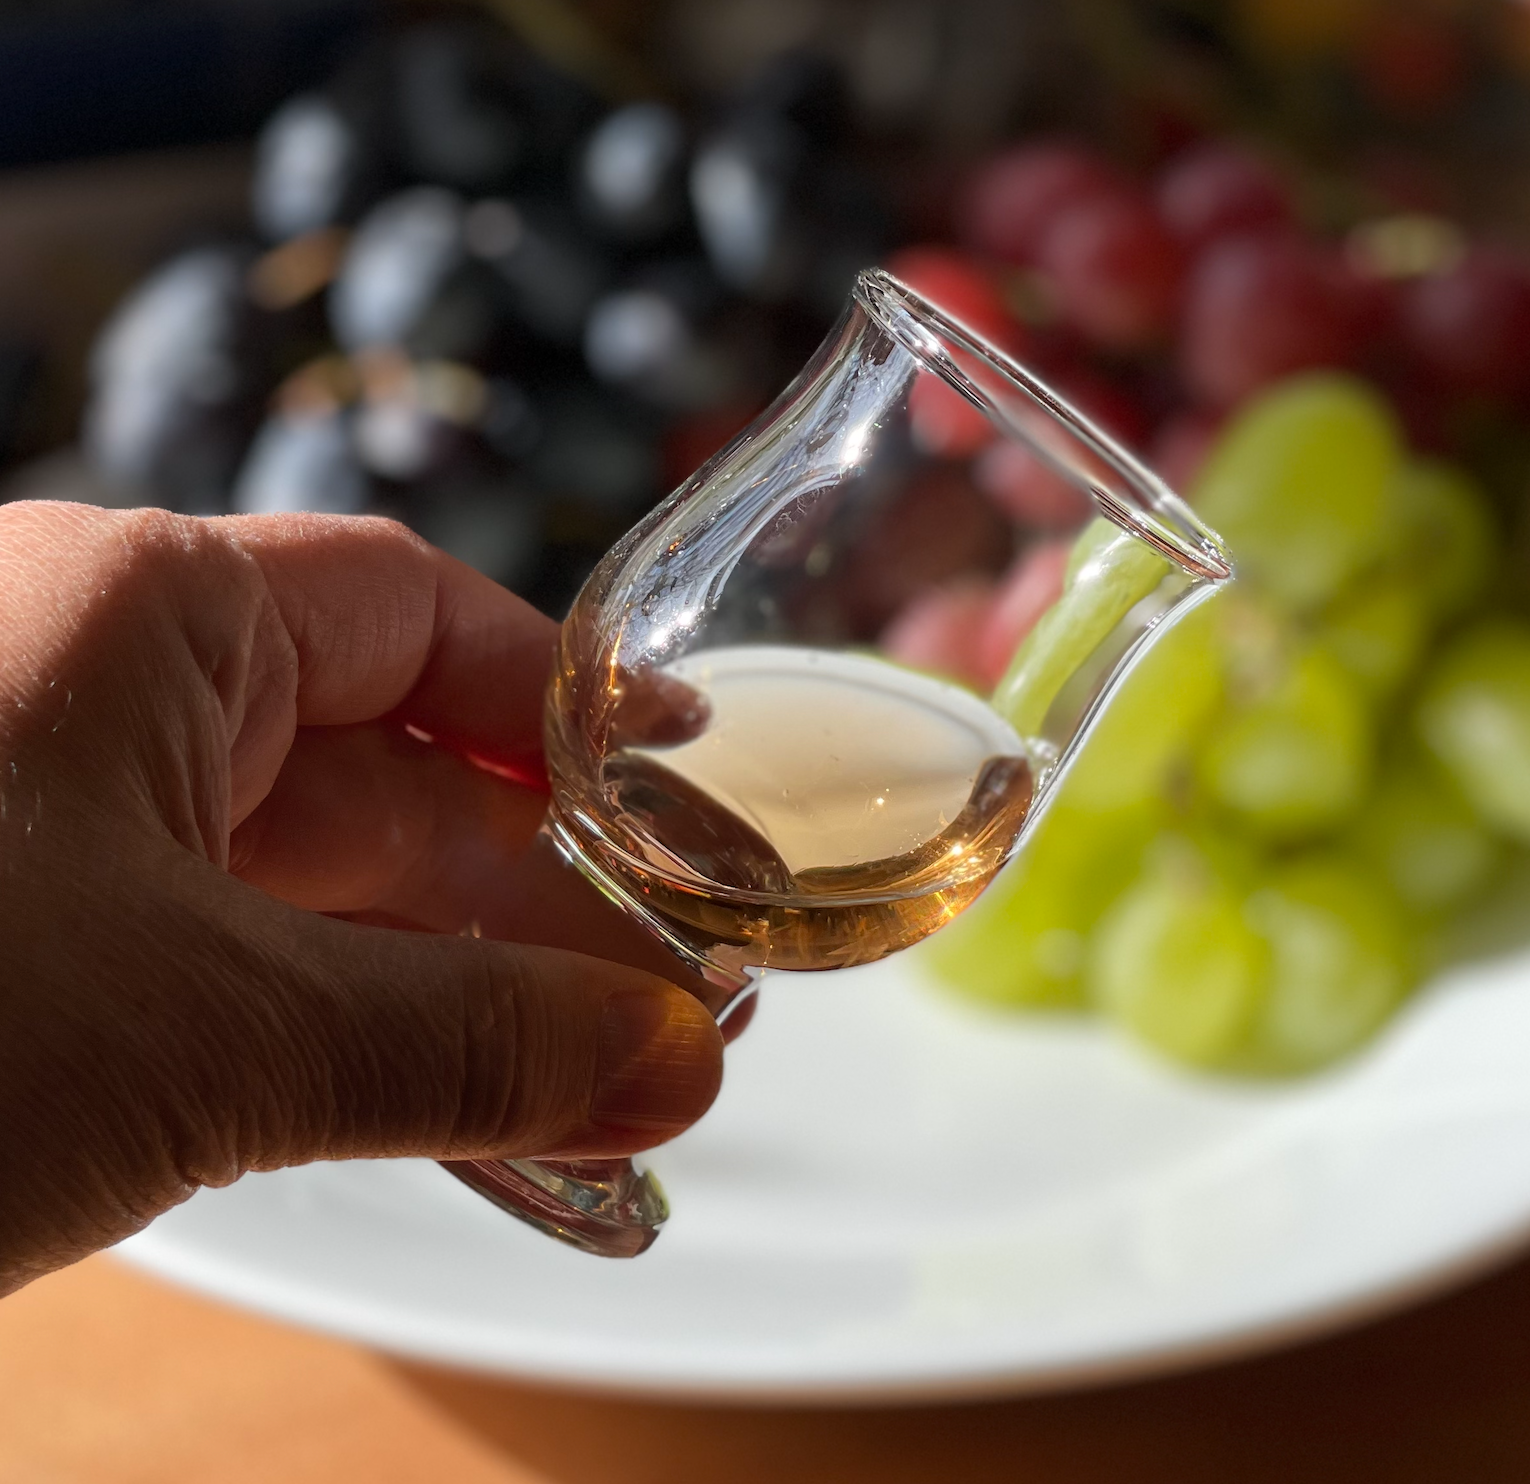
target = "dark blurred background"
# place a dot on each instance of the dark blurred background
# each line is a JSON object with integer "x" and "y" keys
{"x": 509, "y": 270}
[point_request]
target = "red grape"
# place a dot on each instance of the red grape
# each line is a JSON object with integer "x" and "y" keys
{"x": 1258, "y": 308}
{"x": 1014, "y": 197}
{"x": 1030, "y": 492}
{"x": 937, "y": 530}
{"x": 940, "y": 630}
{"x": 1470, "y": 324}
{"x": 1105, "y": 403}
{"x": 945, "y": 423}
{"x": 1215, "y": 190}
{"x": 1115, "y": 269}
{"x": 1026, "y": 591}
{"x": 1181, "y": 448}
{"x": 1371, "y": 304}
{"x": 952, "y": 281}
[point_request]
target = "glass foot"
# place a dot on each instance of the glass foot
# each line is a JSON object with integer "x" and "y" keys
{"x": 603, "y": 1206}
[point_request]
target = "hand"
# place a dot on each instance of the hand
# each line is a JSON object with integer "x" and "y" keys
{"x": 212, "y": 732}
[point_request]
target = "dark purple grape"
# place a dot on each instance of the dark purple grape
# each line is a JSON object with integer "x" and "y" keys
{"x": 409, "y": 282}
{"x": 550, "y": 275}
{"x": 598, "y": 451}
{"x": 457, "y": 126}
{"x": 485, "y": 519}
{"x": 316, "y": 166}
{"x": 403, "y": 252}
{"x": 778, "y": 221}
{"x": 477, "y": 111}
{"x": 416, "y": 418}
{"x": 850, "y": 228}
{"x": 806, "y": 91}
{"x": 656, "y": 338}
{"x": 742, "y": 185}
{"x": 303, "y": 460}
{"x": 631, "y": 173}
{"x": 510, "y": 424}
{"x": 177, "y": 379}
{"x": 783, "y": 208}
{"x": 640, "y": 339}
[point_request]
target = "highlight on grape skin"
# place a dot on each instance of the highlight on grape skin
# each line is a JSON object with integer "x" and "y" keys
{"x": 1318, "y": 375}
{"x": 1349, "y": 775}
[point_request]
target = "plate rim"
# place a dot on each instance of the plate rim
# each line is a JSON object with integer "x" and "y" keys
{"x": 1178, "y": 1341}
{"x": 1213, "y": 1345}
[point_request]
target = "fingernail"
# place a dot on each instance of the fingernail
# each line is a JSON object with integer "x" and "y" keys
{"x": 659, "y": 1064}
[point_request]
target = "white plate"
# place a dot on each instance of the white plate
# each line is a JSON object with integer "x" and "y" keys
{"x": 897, "y": 1196}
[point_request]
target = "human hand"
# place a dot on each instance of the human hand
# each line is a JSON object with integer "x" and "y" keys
{"x": 203, "y": 747}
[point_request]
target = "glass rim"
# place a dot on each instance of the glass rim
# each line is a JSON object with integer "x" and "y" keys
{"x": 1160, "y": 518}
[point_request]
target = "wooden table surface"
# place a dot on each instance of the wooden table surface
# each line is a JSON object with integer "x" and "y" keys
{"x": 107, "y": 1377}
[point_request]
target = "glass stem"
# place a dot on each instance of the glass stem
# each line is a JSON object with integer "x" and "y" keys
{"x": 607, "y": 1207}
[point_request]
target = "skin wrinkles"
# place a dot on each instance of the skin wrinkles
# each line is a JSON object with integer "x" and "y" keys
{"x": 197, "y": 861}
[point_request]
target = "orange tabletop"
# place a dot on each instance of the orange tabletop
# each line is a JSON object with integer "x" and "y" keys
{"x": 107, "y": 1377}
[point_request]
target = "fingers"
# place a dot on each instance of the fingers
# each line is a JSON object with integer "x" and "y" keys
{"x": 245, "y": 628}
{"x": 381, "y": 620}
{"x": 378, "y": 622}
{"x": 298, "y": 1037}
{"x": 369, "y": 821}
{"x": 398, "y": 1043}
{"x": 212, "y": 1030}
{"x": 368, "y": 817}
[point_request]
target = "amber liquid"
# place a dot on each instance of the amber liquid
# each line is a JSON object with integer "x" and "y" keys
{"x": 824, "y": 809}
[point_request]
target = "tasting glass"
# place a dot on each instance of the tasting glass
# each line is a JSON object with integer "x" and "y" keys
{"x": 837, "y": 532}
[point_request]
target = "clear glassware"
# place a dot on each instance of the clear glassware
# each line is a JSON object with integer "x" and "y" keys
{"x": 737, "y": 760}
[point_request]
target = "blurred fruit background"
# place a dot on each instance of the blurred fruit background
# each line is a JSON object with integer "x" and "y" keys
{"x": 507, "y": 271}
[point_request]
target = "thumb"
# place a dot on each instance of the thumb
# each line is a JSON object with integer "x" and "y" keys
{"x": 172, "y": 1027}
{"x": 304, "y": 1037}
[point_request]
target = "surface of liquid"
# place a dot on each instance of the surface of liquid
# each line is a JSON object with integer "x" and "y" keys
{"x": 825, "y": 810}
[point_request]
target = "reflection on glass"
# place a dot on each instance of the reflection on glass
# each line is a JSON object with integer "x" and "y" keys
{"x": 742, "y": 755}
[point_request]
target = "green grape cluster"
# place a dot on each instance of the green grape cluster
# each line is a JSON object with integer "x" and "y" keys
{"x": 1256, "y": 856}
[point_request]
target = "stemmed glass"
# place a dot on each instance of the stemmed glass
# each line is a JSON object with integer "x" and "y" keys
{"x": 748, "y": 750}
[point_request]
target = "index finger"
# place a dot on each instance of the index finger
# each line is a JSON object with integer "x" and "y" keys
{"x": 383, "y": 623}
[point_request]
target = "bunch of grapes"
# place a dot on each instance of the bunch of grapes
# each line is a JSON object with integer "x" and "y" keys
{"x": 484, "y": 298}
{"x": 1276, "y": 829}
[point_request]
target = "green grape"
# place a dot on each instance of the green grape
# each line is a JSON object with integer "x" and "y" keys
{"x": 1111, "y": 576}
{"x": 1296, "y": 761}
{"x": 1023, "y": 941}
{"x": 1377, "y": 630}
{"x": 1153, "y": 719}
{"x": 1474, "y": 715}
{"x": 1175, "y": 961}
{"x": 1097, "y": 535}
{"x": 1447, "y": 544}
{"x": 1340, "y": 962}
{"x": 1298, "y": 486}
{"x": 1422, "y": 838}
